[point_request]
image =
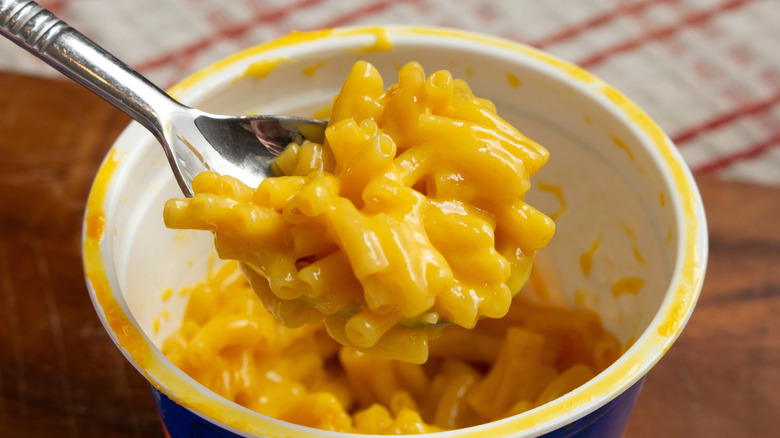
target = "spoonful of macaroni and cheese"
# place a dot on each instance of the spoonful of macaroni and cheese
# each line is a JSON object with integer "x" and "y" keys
{"x": 408, "y": 216}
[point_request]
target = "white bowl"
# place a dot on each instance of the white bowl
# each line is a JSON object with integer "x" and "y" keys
{"x": 620, "y": 179}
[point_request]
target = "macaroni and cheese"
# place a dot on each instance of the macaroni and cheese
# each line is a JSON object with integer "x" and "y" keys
{"x": 409, "y": 217}
{"x": 501, "y": 367}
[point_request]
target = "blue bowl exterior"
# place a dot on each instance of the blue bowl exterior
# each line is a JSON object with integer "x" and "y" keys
{"x": 609, "y": 421}
{"x": 180, "y": 422}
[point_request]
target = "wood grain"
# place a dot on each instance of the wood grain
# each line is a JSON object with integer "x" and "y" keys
{"x": 722, "y": 376}
{"x": 60, "y": 375}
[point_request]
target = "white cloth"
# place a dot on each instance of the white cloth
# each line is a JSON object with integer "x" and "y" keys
{"x": 708, "y": 71}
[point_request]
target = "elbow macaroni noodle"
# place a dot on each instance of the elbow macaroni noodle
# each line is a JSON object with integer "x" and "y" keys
{"x": 410, "y": 214}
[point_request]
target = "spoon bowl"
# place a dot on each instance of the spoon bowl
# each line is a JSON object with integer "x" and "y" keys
{"x": 240, "y": 146}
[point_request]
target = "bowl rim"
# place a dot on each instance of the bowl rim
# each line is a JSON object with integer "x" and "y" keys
{"x": 673, "y": 314}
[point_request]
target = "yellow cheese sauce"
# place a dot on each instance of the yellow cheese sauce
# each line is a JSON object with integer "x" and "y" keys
{"x": 263, "y": 68}
{"x": 311, "y": 70}
{"x": 622, "y": 145}
{"x": 627, "y": 285}
{"x": 648, "y": 348}
{"x": 513, "y": 80}
{"x": 556, "y": 191}
{"x": 586, "y": 258}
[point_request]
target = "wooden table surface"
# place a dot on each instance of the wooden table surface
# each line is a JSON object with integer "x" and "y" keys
{"x": 60, "y": 375}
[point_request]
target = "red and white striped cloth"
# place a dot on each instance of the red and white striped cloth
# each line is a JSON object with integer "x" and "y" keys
{"x": 708, "y": 71}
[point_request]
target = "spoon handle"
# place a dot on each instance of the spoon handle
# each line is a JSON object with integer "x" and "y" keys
{"x": 40, "y": 32}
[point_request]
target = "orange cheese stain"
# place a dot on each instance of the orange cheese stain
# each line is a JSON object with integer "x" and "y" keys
{"x": 167, "y": 293}
{"x": 635, "y": 245}
{"x": 513, "y": 80}
{"x": 579, "y": 297}
{"x": 382, "y": 42}
{"x": 638, "y": 256}
{"x": 164, "y": 315}
{"x": 95, "y": 218}
{"x": 663, "y": 199}
{"x": 556, "y": 191}
{"x": 311, "y": 70}
{"x": 586, "y": 258}
{"x": 622, "y": 145}
{"x": 261, "y": 69}
{"x": 627, "y": 285}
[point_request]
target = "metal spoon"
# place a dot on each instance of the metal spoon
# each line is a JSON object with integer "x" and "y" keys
{"x": 241, "y": 146}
